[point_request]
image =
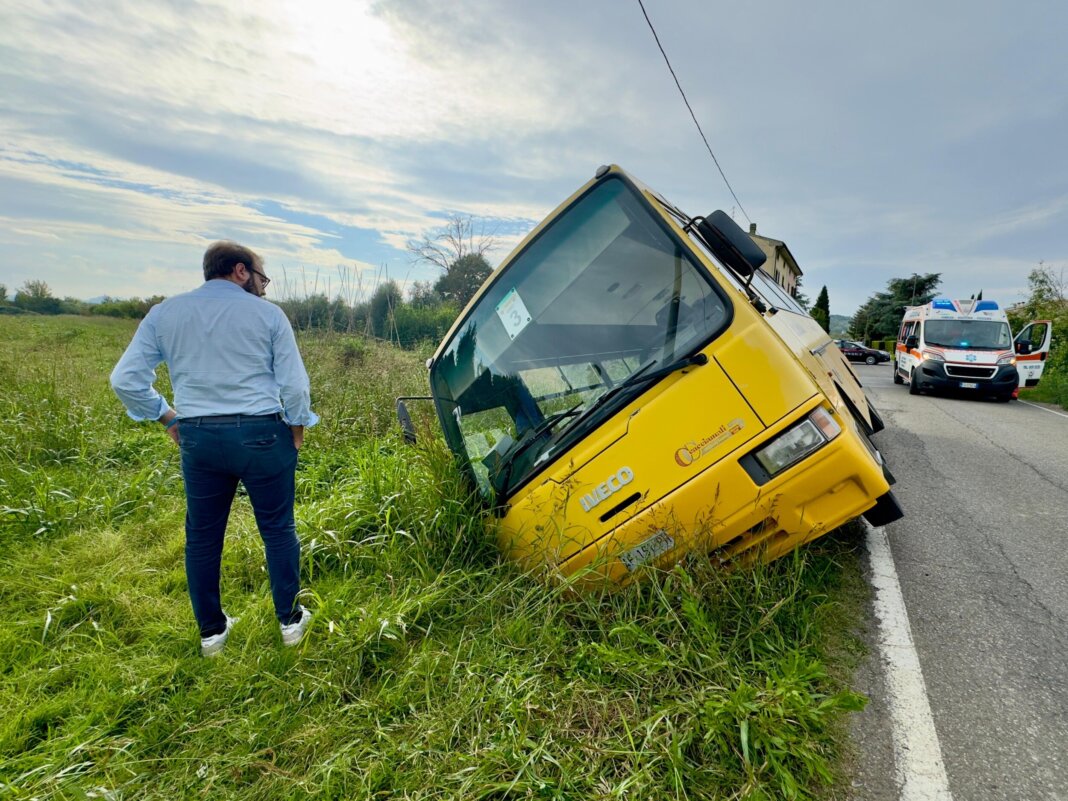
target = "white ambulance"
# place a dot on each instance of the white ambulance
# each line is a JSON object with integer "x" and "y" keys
{"x": 966, "y": 346}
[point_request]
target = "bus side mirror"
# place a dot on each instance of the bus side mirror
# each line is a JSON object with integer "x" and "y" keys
{"x": 1023, "y": 348}
{"x": 730, "y": 244}
{"x": 405, "y": 419}
{"x": 912, "y": 342}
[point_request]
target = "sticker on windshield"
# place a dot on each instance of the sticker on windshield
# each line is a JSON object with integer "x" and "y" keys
{"x": 513, "y": 313}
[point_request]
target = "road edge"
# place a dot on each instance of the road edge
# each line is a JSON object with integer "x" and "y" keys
{"x": 921, "y": 772}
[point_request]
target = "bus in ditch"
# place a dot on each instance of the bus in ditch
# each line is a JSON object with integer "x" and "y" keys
{"x": 629, "y": 386}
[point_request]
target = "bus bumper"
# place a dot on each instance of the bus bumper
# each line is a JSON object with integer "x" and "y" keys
{"x": 841, "y": 481}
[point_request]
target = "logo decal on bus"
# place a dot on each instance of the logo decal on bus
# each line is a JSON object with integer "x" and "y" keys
{"x": 695, "y": 449}
{"x": 614, "y": 484}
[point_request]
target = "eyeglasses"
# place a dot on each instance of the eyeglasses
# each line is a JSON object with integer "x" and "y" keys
{"x": 263, "y": 278}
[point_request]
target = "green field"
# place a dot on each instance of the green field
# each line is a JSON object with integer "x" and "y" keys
{"x": 432, "y": 670}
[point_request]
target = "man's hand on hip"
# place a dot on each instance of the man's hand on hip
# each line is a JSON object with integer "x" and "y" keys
{"x": 170, "y": 423}
{"x": 298, "y": 436}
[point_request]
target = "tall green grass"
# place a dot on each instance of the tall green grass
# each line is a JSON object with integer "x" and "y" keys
{"x": 433, "y": 670}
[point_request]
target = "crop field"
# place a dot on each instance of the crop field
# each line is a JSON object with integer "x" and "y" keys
{"x": 433, "y": 670}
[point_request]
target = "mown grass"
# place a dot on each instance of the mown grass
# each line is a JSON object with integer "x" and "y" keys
{"x": 432, "y": 671}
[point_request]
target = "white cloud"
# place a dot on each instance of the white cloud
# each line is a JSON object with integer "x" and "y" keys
{"x": 875, "y": 140}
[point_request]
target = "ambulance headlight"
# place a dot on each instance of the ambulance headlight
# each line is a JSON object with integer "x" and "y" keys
{"x": 934, "y": 356}
{"x": 797, "y": 442}
{"x": 1008, "y": 358}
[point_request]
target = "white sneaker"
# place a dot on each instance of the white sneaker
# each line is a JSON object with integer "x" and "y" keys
{"x": 210, "y": 646}
{"x": 293, "y": 633}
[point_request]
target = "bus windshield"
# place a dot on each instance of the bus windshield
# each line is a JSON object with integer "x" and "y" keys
{"x": 969, "y": 334}
{"x": 605, "y": 292}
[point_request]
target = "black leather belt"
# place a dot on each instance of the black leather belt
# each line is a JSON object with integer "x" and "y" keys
{"x": 228, "y": 419}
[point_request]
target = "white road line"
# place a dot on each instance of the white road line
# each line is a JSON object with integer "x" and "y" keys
{"x": 921, "y": 774}
{"x": 1043, "y": 408}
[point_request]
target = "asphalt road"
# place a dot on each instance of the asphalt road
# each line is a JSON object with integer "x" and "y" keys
{"x": 982, "y": 560}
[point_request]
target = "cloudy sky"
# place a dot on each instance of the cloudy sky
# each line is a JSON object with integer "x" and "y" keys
{"x": 877, "y": 140}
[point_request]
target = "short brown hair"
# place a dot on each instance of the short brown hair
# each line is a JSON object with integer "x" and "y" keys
{"x": 221, "y": 258}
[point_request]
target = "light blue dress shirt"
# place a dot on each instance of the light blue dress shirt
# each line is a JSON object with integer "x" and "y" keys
{"x": 228, "y": 352}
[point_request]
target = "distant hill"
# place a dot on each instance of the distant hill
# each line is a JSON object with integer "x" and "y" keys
{"x": 840, "y": 324}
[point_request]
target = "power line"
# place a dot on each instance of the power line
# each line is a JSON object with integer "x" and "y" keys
{"x": 649, "y": 22}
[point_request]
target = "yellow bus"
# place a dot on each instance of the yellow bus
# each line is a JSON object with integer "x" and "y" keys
{"x": 628, "y": 387}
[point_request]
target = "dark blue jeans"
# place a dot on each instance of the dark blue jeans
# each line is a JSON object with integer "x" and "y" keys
{"x": 217, "y": 452}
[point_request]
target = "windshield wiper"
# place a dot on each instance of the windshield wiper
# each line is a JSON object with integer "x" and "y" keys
{"x": 641, "y": 377}
{"x": 504, "y": 468}
{"x": 503, "y": 473}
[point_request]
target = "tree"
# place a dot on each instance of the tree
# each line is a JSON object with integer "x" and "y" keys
{"x": 459, "y": 250}
{"x": 384, "y": 303}
{"x": 799, "y": 296}
{"x": 3, "y": 293}
{"x": 36, "y": 296}
{"x": 422, "y": 324}
{"x": 880, "y": 316}
{"x": 464, "y": 277}
{"x": 1047, "y": 289}
{"x": 821, "y": 312}
{"x": 133, "y": 308}
{"x": 36, "y": 289}
{"x": 421, "y": 295}
{"x": 1048, "y": 300}
{"x": 450, "y": 243}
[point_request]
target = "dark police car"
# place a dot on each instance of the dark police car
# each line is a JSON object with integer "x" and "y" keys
{"x": 856, "y": 352}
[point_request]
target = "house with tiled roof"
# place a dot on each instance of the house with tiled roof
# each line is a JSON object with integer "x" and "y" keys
{"x": 781, "y": 264}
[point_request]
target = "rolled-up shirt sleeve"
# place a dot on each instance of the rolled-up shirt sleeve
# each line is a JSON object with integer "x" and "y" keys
{"x": 133, "y": 377}
{"x": 294, "y": 389}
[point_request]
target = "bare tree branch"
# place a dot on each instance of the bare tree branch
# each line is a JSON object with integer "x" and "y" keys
{"x": 459, "y": 237}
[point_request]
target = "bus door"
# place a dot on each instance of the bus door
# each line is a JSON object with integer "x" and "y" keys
{"x": 1032, "y": 350}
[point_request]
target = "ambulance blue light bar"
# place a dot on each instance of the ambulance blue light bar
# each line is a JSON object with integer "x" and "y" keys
{"x": 943, "y": 303}
{"x": 986, "y": 305}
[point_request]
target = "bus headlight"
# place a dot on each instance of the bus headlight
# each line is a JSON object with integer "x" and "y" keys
{"x": 796, "y": 443}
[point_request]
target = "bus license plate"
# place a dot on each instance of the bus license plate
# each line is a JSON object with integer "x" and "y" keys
{"x": 969, "y": 385}
{"x": 661, "y": 542}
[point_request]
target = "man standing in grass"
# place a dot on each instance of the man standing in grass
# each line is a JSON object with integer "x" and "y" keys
{"x": 241, "y": 405}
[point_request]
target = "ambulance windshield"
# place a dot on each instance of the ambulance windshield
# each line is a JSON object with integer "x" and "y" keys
{"x": 968, "y": 334}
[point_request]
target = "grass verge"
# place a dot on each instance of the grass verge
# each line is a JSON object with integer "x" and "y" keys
{"x": 433, "y": 670}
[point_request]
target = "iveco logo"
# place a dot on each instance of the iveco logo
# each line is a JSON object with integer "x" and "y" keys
{"x": 615, "y": 483}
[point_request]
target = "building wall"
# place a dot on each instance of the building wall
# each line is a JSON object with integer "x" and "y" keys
{"x": 780, "y": 264}
{"x": 783, "y": 273}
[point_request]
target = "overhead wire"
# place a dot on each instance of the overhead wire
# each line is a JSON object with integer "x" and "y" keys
{"x": 689, "y": 108}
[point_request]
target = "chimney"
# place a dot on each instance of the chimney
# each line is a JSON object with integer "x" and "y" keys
{"x": 752, "y": 228}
